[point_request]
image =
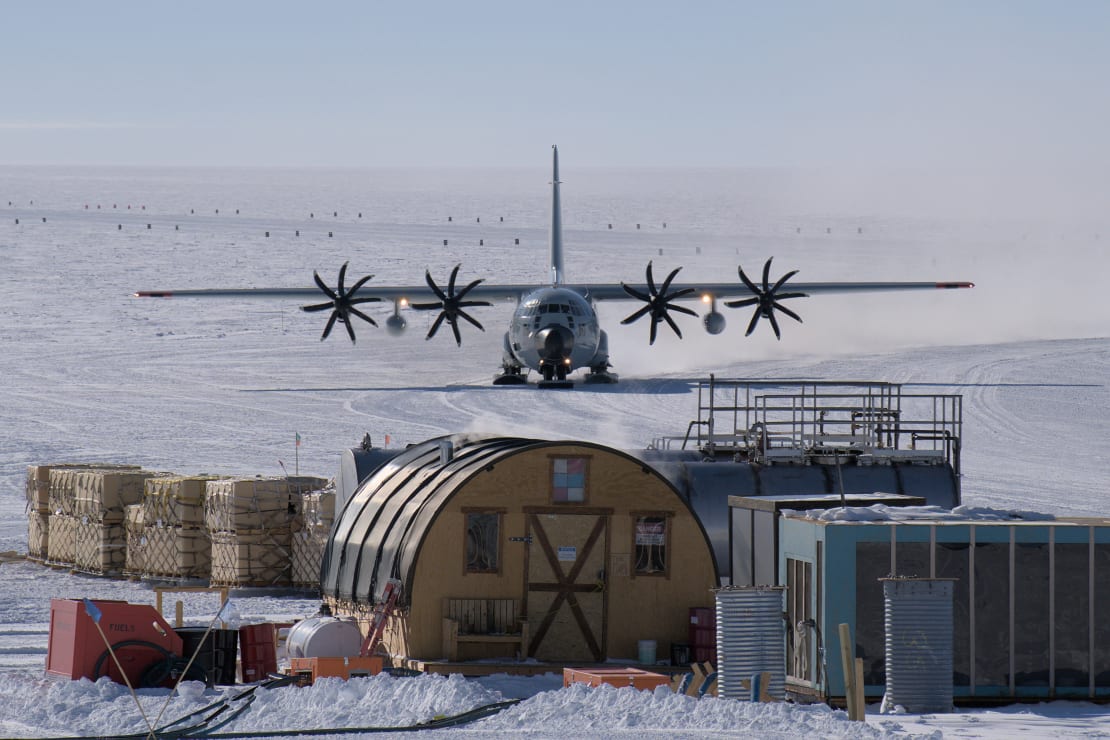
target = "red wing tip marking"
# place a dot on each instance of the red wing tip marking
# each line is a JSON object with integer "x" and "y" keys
{"x": 153, "y": 294}
{"x": 955, "y": 285}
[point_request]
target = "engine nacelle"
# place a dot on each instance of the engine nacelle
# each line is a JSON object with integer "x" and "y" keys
{"x": 396, "y": 324}
{"x": 714, "y": 322}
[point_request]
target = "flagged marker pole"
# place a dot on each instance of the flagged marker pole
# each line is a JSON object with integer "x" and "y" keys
{"x": 94, "y": 614}
{"x": 297, "y": 455}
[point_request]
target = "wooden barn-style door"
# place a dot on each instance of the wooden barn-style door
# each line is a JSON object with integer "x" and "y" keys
{"x": 565, "y": 588}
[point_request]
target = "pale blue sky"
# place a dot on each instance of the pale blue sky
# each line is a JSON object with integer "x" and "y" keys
{"x": 887, "y": 84}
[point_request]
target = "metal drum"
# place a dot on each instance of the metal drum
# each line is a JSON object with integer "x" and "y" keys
{"x": 324, "y": 637}
{"x": 918, "y": 616}
{"x": 750, "y": 639}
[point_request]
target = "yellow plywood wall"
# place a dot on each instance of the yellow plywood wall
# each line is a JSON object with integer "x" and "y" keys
{"x": 639, "y": 608}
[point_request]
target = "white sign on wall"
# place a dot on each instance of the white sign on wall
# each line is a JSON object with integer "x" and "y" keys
{"x": 568, "y": 554}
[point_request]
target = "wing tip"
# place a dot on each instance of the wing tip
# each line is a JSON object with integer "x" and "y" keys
{"x": 152, "y": 294}
{"x": 947, "y": 286}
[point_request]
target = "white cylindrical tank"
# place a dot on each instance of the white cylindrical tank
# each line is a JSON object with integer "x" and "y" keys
{"x": 324, "y": 637}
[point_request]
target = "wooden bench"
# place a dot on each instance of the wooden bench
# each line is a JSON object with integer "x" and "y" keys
{"x": 483, "y": 621}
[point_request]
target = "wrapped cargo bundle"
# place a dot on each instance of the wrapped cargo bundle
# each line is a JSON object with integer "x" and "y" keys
{"x": 101, "y": 547}
{"x": 38, "y": 488}
{"x": 38, "y": 535}
{"x": 101, "y": 495}
{"x": 318, "y": 508}
{"x": 62, "y": 481}
{"x": 175, "y": 501}
{"x": 251, "y": 558}
{"x": 308, "y": 554}
{"x": 135, "y": 560}
{"x": 60, "y": 542}
{"x": 235, "y": 504}
{"x": 177, "y": 552}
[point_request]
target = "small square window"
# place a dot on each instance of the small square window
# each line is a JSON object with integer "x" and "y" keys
{"x": 568, "y": 479}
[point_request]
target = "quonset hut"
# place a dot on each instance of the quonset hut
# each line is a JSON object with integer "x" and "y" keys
{"x": 507, "y": 547}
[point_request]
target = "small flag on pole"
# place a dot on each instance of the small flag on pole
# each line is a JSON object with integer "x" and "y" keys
{"x": 92, "y": 610}
{"x": 298, "y": 439}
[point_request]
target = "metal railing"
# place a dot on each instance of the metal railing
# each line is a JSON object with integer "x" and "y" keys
{"x": 764, "y": 420}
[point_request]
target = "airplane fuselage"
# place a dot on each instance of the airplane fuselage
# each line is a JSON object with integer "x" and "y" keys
{"x": 555, "y": 331}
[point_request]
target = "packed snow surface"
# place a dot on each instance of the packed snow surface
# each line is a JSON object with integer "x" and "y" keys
{"x": 88, "y": 373}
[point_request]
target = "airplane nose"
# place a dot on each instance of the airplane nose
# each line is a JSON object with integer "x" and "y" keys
{"x": 554, "y": 342}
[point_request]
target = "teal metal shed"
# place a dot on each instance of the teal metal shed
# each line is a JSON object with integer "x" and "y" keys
{"x": 1031, "y": 601}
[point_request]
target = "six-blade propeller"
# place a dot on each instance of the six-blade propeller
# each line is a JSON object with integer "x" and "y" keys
{"x": 658, "y": 303}
{"x": 766, "y": 300}
{"x": 342, "y": 303}
{"x": 450, "y": 305}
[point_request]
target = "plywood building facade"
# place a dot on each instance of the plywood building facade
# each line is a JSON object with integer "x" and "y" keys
{"x": 590, "y": 547}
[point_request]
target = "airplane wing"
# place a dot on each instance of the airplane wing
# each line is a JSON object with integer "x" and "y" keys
{"x": 610, "y": 292}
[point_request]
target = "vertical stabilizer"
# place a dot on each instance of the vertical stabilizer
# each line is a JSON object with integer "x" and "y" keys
{"x": 556, "y": 223}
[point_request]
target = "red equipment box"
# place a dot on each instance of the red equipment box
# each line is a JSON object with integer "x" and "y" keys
{"x": 345, "y": 668}
{"x": 634, "y": 677}
{"x": 139, "y": 636}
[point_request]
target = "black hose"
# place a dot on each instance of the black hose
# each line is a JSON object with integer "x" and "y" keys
{"x": 166, "y": 655}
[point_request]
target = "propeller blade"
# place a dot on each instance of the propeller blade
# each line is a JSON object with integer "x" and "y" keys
{"x": 350, "y": 329}
{"x": 637, "y": 314}
{"x": 363, "y": 316}
{"x": 650, "y": 280}
{"x": 774, "y": 324}
{"x": 636, "y": 293}
{"x": 789, "y": 313}
{"x": 767, "y": 274}
{"x": 359, "y": 284}
{"x": 455, "y": 330}
{"x": 472, "y": 320}
{"x": 682, "y": 309}
{"x": 468, "y": 288}
{"x": 651, "y": 332}
{"x": 673, "y": 325}
{"x": 435, "y": 326}
{"x": 783, "y": 279}
{"x": 742, "y": 303}
{"x": 755, "y": 320}
{"x": 432, "y": 284}
{"x": 323, "y": 286}
{"x": 744, "y": 278}
{"x": 329, "y": 325}
{"x": 342, "y": 275}
{"x": 318, "y": 307}
{"x": 667, "y": 282}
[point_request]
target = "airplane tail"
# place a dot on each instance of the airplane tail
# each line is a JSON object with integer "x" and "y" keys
{"x": 557, "y": 276}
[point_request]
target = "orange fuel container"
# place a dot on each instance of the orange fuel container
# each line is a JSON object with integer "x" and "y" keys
{"x": 138, "y": 634}
{"x": 345, "y": 668}
{"x": 618, "y": 677}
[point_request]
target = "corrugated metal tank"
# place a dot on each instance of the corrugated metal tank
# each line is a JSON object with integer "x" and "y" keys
{"x": 750, "y": 639}
{"x": 918, "y": 618}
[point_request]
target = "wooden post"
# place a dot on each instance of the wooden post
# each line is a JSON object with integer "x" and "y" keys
{"x": 861, "y": 699}
{"x": 179, "y": 614}
{"x": 848, "y": 665}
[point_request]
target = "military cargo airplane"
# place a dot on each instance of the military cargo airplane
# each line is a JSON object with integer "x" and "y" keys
{"x": 554, "y": 329}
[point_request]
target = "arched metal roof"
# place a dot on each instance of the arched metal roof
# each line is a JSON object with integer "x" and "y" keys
{"x": 380, "y": 530}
